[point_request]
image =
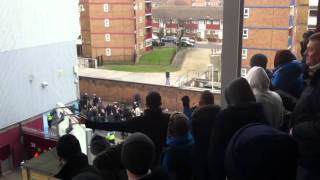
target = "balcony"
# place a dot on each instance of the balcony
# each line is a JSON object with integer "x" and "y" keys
{"x": 148, "y": 10}
{"x": 148, "y": 35}
{"x": 148, "y": 23}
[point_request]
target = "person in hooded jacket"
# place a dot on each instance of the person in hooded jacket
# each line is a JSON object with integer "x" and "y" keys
{"x": 75, "y": 162}
{"x": 242, "y": 109}
{"x": 203, "y": 119}
{"x": 271, "y": 101}
{"x": 176, "y": 160}
{"x": 288, "y": 74}
{"x": 260, "y": 152}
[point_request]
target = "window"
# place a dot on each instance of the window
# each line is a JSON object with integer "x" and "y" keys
{"x": 106, "y": 7}
{"x": 108, "y": 52}
{"x": 245, "y": 33}
{"x": 313, "y": 12}
{"x": 141, "y": 45}
{"x": 140, "y": 19}
{"x": 246, "y": 13}
{"x": 140, "y": 6}
{"x": 243, "y": 72}
{"x": 106, "y": 23}
{"x": 244, "y": 53}
{"x": 108, "y": 37}
{"x": 208, "y": 22}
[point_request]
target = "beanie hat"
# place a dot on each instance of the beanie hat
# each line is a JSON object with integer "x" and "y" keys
{"x": 98, "y": 144}
{"x": 258, "y": 151}
{"x": 137, "y": 154}
{"x": 68, "y": 147}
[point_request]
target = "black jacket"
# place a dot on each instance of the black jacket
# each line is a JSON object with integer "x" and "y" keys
{"x": 153, "y": 123}
{"x": 156, "y": 175}
{"x": 306, "y": 129}
{"x": 228, "y": 121}
{"x": 75, "y": 166}
{"x": 203, "y": 119}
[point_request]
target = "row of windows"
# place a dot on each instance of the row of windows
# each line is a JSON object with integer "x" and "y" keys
{"x": 106, "y": 7}
{"x": 141, "y": 46}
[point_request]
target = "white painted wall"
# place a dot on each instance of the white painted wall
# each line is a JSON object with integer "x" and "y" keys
{"x": 37, "y": 44}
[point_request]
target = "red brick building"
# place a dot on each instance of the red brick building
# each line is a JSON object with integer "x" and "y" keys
{"x": 272, "y": 25}
{"x": 116, "y": 30}
{"x": 197, "y": 22}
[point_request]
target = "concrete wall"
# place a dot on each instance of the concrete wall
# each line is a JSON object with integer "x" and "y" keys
{"x": 37, "y": 45}
{"x": 118, "y": 91}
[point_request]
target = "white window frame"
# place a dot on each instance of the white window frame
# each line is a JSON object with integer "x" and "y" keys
{"x": 140, "y": 6}
{"x": 106, "y": 8}
{"x": 243, "y": 72}
{"x": 107, "y": 37}
{"x": 108, "y": 52}
{"x": 246, "y": 13}
{"x": 245, "y": 34}
{"x": 244, "y": 54}
{"x": 140, "y": 19}
{"x": 106, "y": 23}
{"x": 140, "y": 32}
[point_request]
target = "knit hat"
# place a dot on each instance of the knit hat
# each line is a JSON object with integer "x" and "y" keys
{"x": 257, "y": 151}
{"x": 137, "y": 154}
{"x": 98, "y": 144}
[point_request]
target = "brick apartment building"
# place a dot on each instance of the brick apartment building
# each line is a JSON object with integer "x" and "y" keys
{"x": 197, "y": 22}
{"x": 116, "y": 30}
{"x": 272, "y": 25}
{"x": 202, "y": 3}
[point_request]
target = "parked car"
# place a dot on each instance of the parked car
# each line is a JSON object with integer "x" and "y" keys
{"x": 157, "y": 42}
{"x": 187, "y": 39}
{"x": 185, "y": 44}
{"x": 169, "y": 39}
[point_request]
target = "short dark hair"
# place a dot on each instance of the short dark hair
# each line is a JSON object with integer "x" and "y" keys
{"x": 68, "y": 146}
{"x": 185, "y": 101}
{"x": 178, "y": 125}
{"x": 315, "y": 37}
{"x": 153, "y": 100}
{"x": 283, "y": 56}
{"x": 206, "y": 98}
{"x": 259, "y": 60}
{"x": 98, "y": 144}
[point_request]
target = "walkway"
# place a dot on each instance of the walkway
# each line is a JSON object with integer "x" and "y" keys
{"x": 197, "y": 60}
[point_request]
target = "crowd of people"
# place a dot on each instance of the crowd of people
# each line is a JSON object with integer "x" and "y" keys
{"x": 269, "y": 130}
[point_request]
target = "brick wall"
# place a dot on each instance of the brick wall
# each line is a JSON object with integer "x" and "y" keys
{"x": 110, "y": 90}
{"x": 267, "y": 2}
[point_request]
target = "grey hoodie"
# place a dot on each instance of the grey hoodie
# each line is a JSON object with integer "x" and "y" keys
{"x": 271, "y": 101}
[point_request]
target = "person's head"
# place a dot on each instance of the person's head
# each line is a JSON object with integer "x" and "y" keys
{"x": 258, "y": 79}
{"x": 258, "y": 151}
{"x": 185, "y": 101}
{"x": 259, "y": 60}
{"x": 153, "y": 100}
{"x": 137, "y": 154}
{"x": 313, "y": 50}
{"x": 206, "y": 98}
{"x": 239, "y": 92}
{"x": 98, "y": 144}
{"x": 68, "y": 147}
{"x": 305, "y": 39}
{"x": 283, "y": 56}
{"x": 178, "y": 125}
{"x": 87, "y": 176}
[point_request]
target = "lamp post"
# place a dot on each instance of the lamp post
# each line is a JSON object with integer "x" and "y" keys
{"x": 210, "y": 66}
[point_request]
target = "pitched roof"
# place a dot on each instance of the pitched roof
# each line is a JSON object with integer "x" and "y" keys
{"x": 187, "y": 12}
